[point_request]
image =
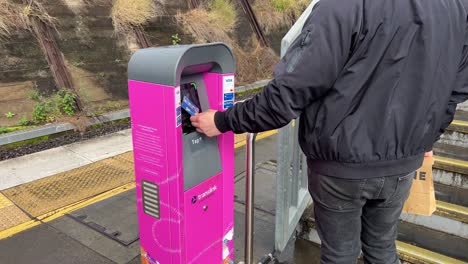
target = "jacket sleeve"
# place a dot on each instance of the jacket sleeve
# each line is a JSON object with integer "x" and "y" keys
{"x": 459, "y": 94}
{"x": 305, "y": 74}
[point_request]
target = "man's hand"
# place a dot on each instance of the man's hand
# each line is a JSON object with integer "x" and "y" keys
{"x": 204, "y": 123}
{"x": 429, "y": 154}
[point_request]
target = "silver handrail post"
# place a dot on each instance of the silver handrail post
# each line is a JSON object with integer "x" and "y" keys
{"x": 249, "y": 197}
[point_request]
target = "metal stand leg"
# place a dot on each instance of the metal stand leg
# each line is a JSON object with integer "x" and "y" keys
{"x": 249, "y": 198}
{"x": 249, "y": 203}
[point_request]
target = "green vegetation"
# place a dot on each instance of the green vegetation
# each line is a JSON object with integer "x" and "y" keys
{"x": 224, "y": 12}
{"x": 14, "y": 16}
{"x": 35, "y": 96}
{"x": 78, "y": 63}
{"x": 132, "y": 13}
{"x": 24, "y": 121}
{"x": 67, "y": 102}
{"x": 296, "y": 6}
{"x": 175, "y": 39}
{"x": 110, "y": 106}
{"x": 41, "y": 112}
{"x": 26, "y": 142}
{"x": 10, "y": 115}
{"x": 4, "y": 130}
{"x": 274, "y": 14}
{"x": 283, "y": 5}
{"x": 249, "y": 93}
{"x": 48, "y": 109}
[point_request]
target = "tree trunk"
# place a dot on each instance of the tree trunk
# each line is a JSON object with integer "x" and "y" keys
{"x": 46, "y": 39}
{"x": 254, "y": 22}
{"x": 141, "y": 38}
{"x": 192, "y": 4}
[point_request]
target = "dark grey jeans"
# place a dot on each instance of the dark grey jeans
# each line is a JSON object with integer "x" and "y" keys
{"x": 355, "y": 215}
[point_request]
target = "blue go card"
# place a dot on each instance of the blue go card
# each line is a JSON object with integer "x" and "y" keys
{"x": 189, "y": 106}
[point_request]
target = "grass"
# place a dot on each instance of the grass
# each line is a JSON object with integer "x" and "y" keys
{"x": 133, "y": 13}
{"x": 283, "y": 5}
{"x": 211, "y": 22}
{"x": 296, "y": 6}
{"x": 202, "y": 23}
{"x": 224, "y": 13}
{"x": 10, "y": 18}
{"x": 110, "y": 106}
{"x": 255, "y": 64}
{"x": 48, "y": 109}
{"x": 25, "y": 142}
{"x": 15, "y": 16}
{"x": 274, "y": 14}
{"x": 248, "y": 94}
{"x": 4, "y": 130}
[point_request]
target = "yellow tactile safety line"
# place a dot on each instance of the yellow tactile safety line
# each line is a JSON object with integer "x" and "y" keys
{"x": 452, "y": 211}
{"x": 39, "y": 198}
{"x": 64, "y": 210}
{"x": 10, "y": 215}
{"x": 460, "y": 123}
{"x": 453, "y": 208}
{"x": 50, "y": 193}
{"x": 459, "y": 126}
{"x": 4, "y": 202}
{"x": 241, "y": 141}
{"x": 452, "y": 165}
{"x": 415, "y": 254}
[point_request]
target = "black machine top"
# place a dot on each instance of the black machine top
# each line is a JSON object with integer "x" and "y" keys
{"x": 166, "y": 65}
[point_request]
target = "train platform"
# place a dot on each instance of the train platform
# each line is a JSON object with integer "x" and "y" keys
{"x": 76, "y": 204}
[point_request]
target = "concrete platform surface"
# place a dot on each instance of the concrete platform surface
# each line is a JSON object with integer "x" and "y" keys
{"x": 66, "y": 240}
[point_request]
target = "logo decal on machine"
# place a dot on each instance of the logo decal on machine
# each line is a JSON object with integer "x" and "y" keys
{"x": 178, "y": 105}
{"x": 204, "y": 195}
{"x": 228, "y": 92}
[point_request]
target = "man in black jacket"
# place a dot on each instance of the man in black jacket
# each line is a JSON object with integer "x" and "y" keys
{"x": 375, "y": 84}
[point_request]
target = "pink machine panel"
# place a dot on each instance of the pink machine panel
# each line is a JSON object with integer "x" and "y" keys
{"x": 185, "y": 180}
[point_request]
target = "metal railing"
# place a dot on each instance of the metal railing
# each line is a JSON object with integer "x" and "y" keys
{"x": 249, "y": 197}
{"x": 47, "y": 130}
{"x": 249, "y": 204}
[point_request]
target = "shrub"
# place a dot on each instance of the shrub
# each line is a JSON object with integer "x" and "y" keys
{"x": 23, "y": 121}
{"x": 67, "y": 102}
{"x": 10, "y": 115}
{"x": 40, "y": 112}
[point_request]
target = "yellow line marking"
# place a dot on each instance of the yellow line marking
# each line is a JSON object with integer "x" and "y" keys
{"x": 4, "y": 201}
{"x": 460, "y": 123}
{"x": 453, "y": 208}
{"x": 259, "y": 137}
{"x": 410, "y": 252}
{"x": 451, "y": 162}
{"x": 64, "y": 210}
{"x": 78, "y": 205}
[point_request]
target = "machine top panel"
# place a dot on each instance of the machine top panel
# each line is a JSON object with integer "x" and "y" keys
{"x": 166, "y": 65}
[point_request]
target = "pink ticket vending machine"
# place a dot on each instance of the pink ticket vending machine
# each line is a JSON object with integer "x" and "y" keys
{"x": 185, "y": 180}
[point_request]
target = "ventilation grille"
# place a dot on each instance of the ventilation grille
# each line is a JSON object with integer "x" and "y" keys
{"x": 150, "y": 199}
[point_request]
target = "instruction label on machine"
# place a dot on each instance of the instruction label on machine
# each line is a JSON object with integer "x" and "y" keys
{"x": 178, "y": 105}
{"x": 228, "y": 92}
